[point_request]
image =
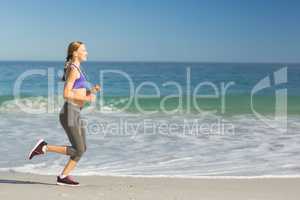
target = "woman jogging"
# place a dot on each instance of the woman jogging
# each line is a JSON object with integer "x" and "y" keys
{"x": 76, "y": 92}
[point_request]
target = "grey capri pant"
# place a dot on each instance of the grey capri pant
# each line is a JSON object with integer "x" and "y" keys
{"x": 71, "y": 121}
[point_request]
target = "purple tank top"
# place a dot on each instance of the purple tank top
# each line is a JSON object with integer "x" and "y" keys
{"x": 81, "y": 82}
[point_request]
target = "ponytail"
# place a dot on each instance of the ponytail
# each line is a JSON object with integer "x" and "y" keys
{"x": 67, "y": 62}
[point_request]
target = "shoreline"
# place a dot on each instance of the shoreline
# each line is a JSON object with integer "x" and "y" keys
{"x": 295, "y": 176}
{"x": 33, "y": 186}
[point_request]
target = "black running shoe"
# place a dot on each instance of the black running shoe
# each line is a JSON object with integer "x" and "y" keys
{"x": 68, "y": 180}
{"x": 37, "y": 149}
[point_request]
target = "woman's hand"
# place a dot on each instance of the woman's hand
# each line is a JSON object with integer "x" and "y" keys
{"x": 95, "y": 89}
{"x": 91, "y": 98}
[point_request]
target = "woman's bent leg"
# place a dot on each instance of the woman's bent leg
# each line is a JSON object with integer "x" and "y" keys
{"x": 57, "y": 149}
{"x": 72, "y": 124}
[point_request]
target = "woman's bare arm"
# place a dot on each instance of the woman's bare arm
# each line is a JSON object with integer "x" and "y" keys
{"x": 68, "y": 91}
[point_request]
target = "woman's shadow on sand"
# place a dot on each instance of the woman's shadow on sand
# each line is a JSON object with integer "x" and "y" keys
{"x": 6, "y": 181}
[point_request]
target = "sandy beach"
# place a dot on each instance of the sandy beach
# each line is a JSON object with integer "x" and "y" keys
{"x": 15, "y": 186}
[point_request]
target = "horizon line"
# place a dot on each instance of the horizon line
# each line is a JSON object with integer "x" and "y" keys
{"x": 164, "y": 61}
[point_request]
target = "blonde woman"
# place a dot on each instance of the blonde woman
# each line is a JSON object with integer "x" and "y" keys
{"x": 76, "y": 92}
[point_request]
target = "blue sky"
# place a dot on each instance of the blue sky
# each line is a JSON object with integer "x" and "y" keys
{"x": 165, "y": 30}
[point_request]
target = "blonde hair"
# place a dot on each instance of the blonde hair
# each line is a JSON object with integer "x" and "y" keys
{"x": 73, "y": 46}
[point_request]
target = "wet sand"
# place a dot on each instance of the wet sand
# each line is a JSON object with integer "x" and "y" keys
{"x": 16, "y": 186}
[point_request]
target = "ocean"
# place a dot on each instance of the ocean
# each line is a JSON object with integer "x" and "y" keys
{"x": 158, "y": 118}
